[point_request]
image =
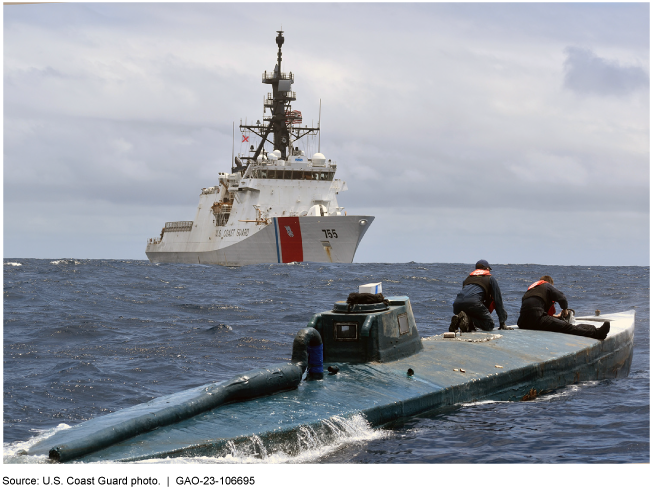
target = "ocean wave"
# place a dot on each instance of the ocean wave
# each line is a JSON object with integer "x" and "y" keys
{"x": 10, "y": 263}
{"x": 418, "y": 278}
{"x": 65, "y": 261}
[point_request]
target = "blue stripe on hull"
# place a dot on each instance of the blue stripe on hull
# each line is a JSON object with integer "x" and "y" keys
{"x": 277, "y": 239}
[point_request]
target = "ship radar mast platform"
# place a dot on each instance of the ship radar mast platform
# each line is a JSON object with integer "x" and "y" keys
{"x": 284, "y": 124}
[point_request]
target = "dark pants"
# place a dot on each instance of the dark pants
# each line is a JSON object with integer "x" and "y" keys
{"x": 478, "y": 314}
{"x": 537, "y": 319}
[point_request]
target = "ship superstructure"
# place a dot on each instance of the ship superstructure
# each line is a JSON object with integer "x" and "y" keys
{"x": 276, "y": 206}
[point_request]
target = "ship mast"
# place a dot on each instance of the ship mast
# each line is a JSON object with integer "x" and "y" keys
{"x": 280, "y": 124}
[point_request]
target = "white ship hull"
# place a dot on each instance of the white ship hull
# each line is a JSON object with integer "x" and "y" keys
{"x": 330, "y": 239}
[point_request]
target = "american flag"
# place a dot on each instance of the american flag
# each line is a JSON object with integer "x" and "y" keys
{"x": 294, "y": 117}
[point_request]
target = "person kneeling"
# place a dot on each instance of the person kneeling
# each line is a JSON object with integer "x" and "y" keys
{"x": 476, "y": 301}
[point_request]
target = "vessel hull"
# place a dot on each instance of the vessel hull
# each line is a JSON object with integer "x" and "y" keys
{"x": 313, "y": 238}
{"x": 500, "y": 365}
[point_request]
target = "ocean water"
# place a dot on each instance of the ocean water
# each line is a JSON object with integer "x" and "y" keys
{"x": 83, "y": 338}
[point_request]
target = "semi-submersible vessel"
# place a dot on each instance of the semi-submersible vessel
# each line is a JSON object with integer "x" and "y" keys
{"x": 354, "y": 360}
{"x": 276, "y": 206}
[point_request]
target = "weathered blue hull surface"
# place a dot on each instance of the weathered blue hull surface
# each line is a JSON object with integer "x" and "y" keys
{"x": 501, "y": 365}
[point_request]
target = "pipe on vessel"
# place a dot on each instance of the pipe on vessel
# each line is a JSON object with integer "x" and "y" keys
{"x": 256, "y": 383}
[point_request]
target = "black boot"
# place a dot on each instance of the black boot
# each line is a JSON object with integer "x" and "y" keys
{"x": 602, "y": 331}
{"x": 464, "y": 323}
{"x": 453, "y": 327}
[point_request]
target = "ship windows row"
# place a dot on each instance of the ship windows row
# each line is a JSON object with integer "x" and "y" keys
{"x": 289, "y": 174}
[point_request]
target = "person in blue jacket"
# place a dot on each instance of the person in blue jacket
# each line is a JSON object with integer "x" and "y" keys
{"x": 476, "y": 301}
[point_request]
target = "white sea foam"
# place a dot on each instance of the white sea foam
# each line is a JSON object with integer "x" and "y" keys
{"x": 543, "y": 396}
{"x": 567, "y": 391}
{"x": 65, "y": 261}
{"x": 481, "y": 402}
{"x": 16, "y": 452}
{"x": 13, "y": 264}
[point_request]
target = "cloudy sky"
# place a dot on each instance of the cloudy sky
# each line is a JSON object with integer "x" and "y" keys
{"x": 516, "y": 133}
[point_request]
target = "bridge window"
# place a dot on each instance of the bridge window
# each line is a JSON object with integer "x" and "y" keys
{"x": 403, "y": 322}
{"x": 345, "y": 331}
{"x": 292, "y": 174}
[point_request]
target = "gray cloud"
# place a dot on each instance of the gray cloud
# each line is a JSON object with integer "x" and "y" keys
{"x": 584, "y": 72}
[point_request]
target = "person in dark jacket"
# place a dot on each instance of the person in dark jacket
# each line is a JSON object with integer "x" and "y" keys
{"x": 475, "y": 302}
{"x": 538, "y": 312}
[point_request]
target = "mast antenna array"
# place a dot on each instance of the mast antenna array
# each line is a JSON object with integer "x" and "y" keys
{"x": 283, "y": 127}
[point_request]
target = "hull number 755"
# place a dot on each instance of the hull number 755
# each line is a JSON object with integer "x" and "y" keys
{"x": 330, "y": 233}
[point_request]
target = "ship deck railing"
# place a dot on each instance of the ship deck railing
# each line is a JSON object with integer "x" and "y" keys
{"x": 224, "y": 208}
{"x": 181, "y": 226}
{"x": 269, "y": 100}
{"x": 271, "y": 76}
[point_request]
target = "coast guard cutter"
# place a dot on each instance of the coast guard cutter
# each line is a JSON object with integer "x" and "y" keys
{"x": 276, "y": 206}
